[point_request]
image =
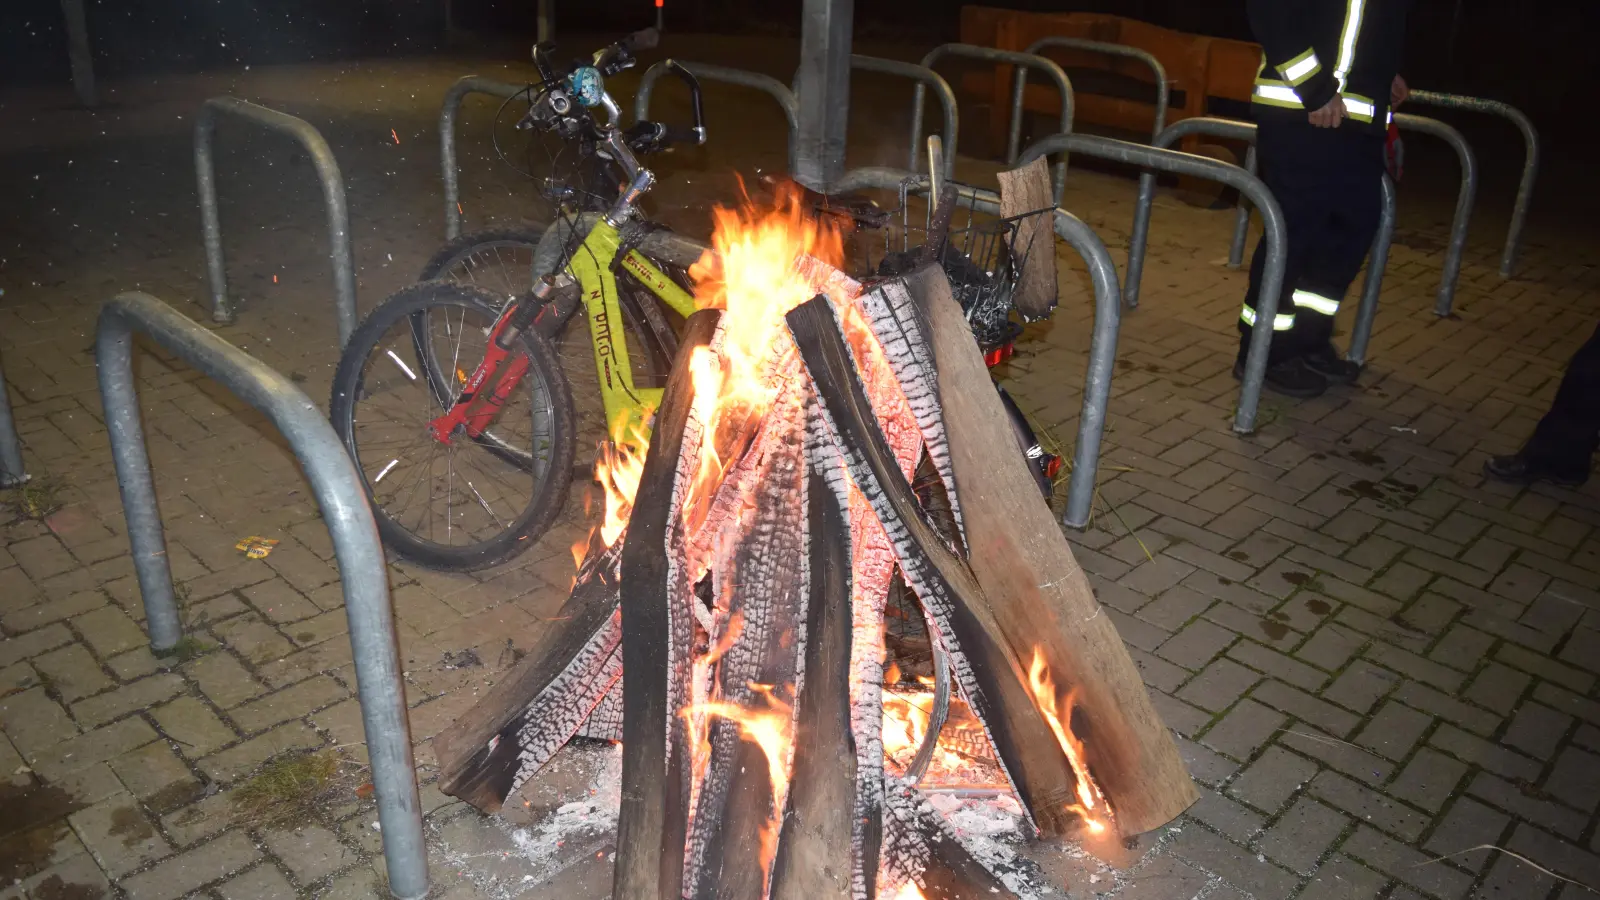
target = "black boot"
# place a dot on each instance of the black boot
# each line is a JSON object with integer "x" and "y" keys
{"x": 1519, "y": 468}
{"x": 1327, "y": 362}
{"x": 1291, "y": 378}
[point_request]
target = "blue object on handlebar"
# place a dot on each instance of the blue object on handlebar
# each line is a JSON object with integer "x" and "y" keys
{"x": 587, "y": 86}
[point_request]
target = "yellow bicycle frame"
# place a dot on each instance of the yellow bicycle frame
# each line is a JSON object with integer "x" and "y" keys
{"x": 628, "y": 407}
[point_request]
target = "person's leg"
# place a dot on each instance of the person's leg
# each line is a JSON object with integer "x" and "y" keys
{"x": 1563, "y": 444}
{"x": 1356, "y": 198}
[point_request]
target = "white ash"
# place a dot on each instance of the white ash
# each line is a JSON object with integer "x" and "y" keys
{"x": 577, "y": 829}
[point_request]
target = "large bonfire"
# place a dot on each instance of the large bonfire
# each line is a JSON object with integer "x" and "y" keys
{"x": 740, "y": 577}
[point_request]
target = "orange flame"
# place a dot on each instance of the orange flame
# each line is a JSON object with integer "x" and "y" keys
{"x": 909, "y": 891}
{"x": 1044, "y": 696}
{"x": 619, "y": 468}
{"x": 769, "y": 729}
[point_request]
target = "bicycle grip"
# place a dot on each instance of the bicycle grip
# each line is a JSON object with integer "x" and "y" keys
{"x": 644, "y": 39}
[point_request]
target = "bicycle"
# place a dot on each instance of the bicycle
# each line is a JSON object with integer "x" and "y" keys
{"x": 461, "y": 434}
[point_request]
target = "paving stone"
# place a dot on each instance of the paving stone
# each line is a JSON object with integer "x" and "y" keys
{"x": 92, "y": 748}
{"x": 1462, "y": 647}
{"x": 278, "y": 602}
{"x": 1195, "y": 645}
{"x": 27, "y": 646}
{"x": 1174, "y": 608}
{"x": 119, "y": 835}
{"x": 1219, "y": 685}
{"x": 135, "y": 664}
{"x": 47, "y": 611}
{"x": 1468, "y": 823}
{"x": 1555, "y": 854}
{"x": 192, "y": 724}
{"x": 1136, "y": 632}
{"x": 1414, "y": 666}
{"x": 1369, "y": 806}
{"x": 1239, "y": 595}
{"x": 78, "y": 877}
{"x": 1394, "y": 730}
{"x": 1344, "y": 756}
{"x": 1245, "y": 728}
{"x": 1428, "y": 779}
{"x": 1575, "y": 779}
{"x": 1152, "y": 577}
{"x": 1178, "y": 715}
{"x": 193, "y": 868}
{"x": 1269, "y": 781}
{"x": 1525, "y": 801}
{"x": 1498, "y": 687}
{"x": 156, "y": 776}
{"x": 1279, "y": 666}
{"x": 27, "y": 848}
{"x": 1420, "y": 696}
{"x": 1475, "y": 750}
{"x": 223, "y": 679}
{"x": 1512, "y": 879}
{"x": 126, "y": 699}
{"x": 1544, "y": 667}
{"x": 311, "y": 852}
{"x": 1268, "y": 629}
{"x": 1331, "y": 646}
{"x": 1567, "y": 702}
{"x": 264, "y": 882}
{"x": 1342, "y": 878}
{"x": 34, "y": 721}
{"x": 289, "y": 703}
{"x": 1536, "y": 730}
{"x": 1305, "y": 707}
{"x": 1303, "y": 834}
{"x": 1165, "y": 877}
{"x": 1386, "y": 855}
{"x": 109, "y": 631}
{"x": 252, "y": 638}
{"x": 1235, "y": 865}
{"x": 1402, "y": 581}
{"x": 200, "y": 820}
{"x": 244, "y": 758}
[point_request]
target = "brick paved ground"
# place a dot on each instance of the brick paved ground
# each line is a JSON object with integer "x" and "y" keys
{"x": 1372, "y": 658}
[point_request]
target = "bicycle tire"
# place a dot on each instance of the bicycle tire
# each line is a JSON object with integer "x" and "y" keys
{"x": 551, "y": 399}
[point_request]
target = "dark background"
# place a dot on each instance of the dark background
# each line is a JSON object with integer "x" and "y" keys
{"x": 1535, "y": 54}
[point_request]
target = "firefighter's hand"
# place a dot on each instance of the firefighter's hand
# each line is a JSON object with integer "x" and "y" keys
{"x": 1398, "y": 92}
{"x": 1330, "y": 115}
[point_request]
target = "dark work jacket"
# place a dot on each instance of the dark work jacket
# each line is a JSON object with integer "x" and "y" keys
{"x": 1314, "y": 49}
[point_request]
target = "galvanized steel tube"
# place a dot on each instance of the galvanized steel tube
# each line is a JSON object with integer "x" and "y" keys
{"x": 1163, "y": 90}
{"x": 449, "y": 112}
{"x": 333, "y": 196}
{"x": 1465, "y": 197}
{"x": 1530, "y": 161}
{"x": 1377, "y": 260}
{"x": 1022, "y": 62}
{"x": 1241, "y": 216}
{"x": 924, "y": 76}
{"x": 342, "y": 499}
{"x": 1156, "y": 158}
{"x": 12, "y": 473}
{"x": 768, "y": 85}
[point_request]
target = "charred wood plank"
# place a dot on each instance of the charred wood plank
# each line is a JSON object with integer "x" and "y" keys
{"x": 1037, "y": 596}
{"x": 816, "y": 856}
{"x": 653, "y": 821}
{"x": 987, "y": 673}
{"x": 543, "y": 699}
{"x": 920, "y": 848}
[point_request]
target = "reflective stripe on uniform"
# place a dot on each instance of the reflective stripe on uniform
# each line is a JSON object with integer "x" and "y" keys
{"x": 1302, "y": 67}
{"x": 1280, "y": 322}
{"x": 1347, "y": 42}
{"x": 1316, "y": 302}
{"x": 1276, "y": 93}
{"x": 1360, "y": 108}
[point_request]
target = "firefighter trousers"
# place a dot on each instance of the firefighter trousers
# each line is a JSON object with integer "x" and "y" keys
{"x": 1329, "y": 184}
{"x": 1569, "y": 433}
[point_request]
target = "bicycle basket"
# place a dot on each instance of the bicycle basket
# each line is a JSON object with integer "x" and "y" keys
{"x": 982, "y": 254}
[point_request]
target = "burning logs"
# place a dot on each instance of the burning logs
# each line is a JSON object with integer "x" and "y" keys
{"x": 745, "y": 601}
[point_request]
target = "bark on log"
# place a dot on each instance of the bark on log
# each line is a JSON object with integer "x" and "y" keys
{"x": 1035, "y": 591}
{"x": 654, "y": 816}
{"x": 815, "y": 853}
{"x": 543, "y": 700}
{"x": 984, "y": 668}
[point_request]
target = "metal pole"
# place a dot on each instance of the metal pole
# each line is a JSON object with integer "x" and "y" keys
{"x": 79, "y": 54}
{"x": 1530, "y": 161}
{"x": 333, "y": 197}
{"x": 1241, "y": 216}
{"x": 1156, "y": 158}
{"x": 545, "y": 28}
{"x": 1102, "y": 344}
{"x": 1163, "y": 90}
{"x": 924, "y": 76}
{"x": 1022, "y": 62}
{"x": 1464, "y": 200}
{"x": 343, "y": 503}
{"x": 1377, "y": 261}
{"x": 706, "y": 72}
{"x": 822, "y": 87}
{"x": 448, "y": 113}
{"x": 12, "y": 473}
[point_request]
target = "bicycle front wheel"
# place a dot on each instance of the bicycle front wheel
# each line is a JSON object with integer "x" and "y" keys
{"x": 464, "y": 502}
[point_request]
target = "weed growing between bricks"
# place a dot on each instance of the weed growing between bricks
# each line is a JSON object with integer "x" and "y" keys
{"x": 292, "y": 788}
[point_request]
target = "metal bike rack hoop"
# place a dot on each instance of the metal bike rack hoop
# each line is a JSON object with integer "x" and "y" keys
{"x": 1465, "y": 197}
{"x": 1530, "y": 160}
{"x": 12, "y": 474}
{"x": 1023, "y": 62}
{"x": 925, "y": 77}
{"x": 343, "y": 501}
{"x": 1377, "y": 261}
{"x": 1156, "y": 158}
{"x": 448, "y": 113}
{"x": 333, "y": 197}
{"x": 768, "y": 85}
{"x": 1163, "y": 90}
{"x": 1102, "y": 343}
